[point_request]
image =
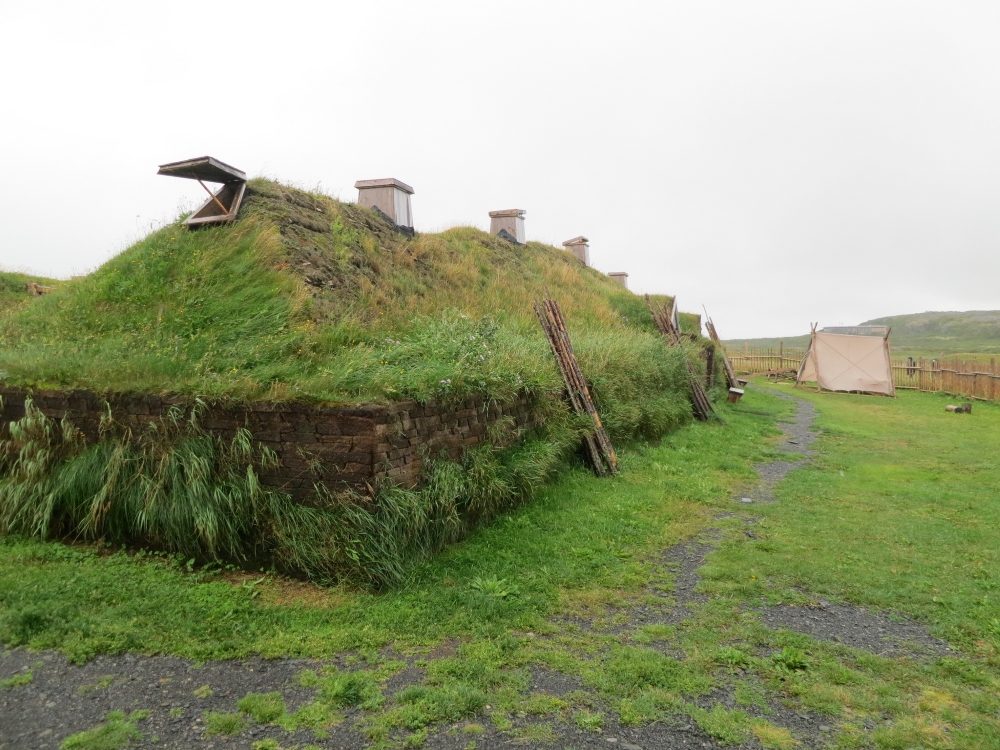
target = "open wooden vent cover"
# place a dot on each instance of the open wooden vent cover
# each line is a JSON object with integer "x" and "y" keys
{"x": 220, "y": 207}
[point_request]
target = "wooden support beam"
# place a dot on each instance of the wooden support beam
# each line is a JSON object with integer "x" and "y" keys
{"x": 225, "y": 210}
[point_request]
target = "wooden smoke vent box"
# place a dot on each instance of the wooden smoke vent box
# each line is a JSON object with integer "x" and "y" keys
{"x": 221, "y": 207}
{"x": 508, "y": 224}
{"x": 390, "y": 197}
{"x": 580, "y": 247}
{"x": 620, "y": 276}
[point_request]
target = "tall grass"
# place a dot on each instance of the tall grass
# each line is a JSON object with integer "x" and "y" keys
{"x": 174, "y": 487}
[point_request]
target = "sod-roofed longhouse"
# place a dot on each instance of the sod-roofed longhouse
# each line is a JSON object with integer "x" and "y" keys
{"x": 326, "y": 305}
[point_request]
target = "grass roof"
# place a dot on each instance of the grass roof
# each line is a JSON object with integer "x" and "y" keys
{"x": 307, "y": 297}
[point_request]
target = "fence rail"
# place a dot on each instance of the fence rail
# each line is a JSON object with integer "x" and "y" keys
{"x": 971, "y": 378}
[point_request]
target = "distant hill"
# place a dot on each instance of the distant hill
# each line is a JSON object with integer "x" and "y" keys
{"x": 789, "y": 342}
{"x": 933, "y": 333}
{"x": 919, "y": 334}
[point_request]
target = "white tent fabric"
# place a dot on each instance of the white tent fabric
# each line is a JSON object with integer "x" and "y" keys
{"x": 837, "y": 362}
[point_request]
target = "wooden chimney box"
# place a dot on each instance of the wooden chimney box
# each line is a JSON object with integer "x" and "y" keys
{"x": 390, "y": 196}
{"x": 510, "y": 221}
{"x": 220, "y": 207}
{"x": 621, "y": 277}
{"x": 580, "y": 247}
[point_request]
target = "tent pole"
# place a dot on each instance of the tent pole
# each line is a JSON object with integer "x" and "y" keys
{"x": 812, "y": 348}
{"x": 888, "y": 356}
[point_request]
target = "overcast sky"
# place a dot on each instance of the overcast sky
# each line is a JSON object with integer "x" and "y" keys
{"x": 780, "y": 162}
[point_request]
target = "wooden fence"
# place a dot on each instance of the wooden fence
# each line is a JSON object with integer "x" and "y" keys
{"x": 761, "y": 361}
{"x": 971, "y": 378}
{"x": 974, "y": 379}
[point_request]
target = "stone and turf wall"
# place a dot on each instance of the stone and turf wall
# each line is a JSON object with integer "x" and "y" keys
{"x": 336, "y": 445}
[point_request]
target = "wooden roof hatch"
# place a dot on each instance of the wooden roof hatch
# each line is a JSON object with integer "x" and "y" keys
{"x": 221, "y": 207}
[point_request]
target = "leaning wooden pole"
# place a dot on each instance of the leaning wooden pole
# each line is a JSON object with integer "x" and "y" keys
{"x": 731, "y": 381}
{"x": 597, "y": 444}
{"x": 665, "y": 323}
{"x": 600, "y": 434}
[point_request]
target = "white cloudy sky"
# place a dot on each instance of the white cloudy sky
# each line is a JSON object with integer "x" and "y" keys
{"x": 780, "y": 162}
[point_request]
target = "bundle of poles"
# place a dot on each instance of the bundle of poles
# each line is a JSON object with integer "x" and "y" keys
{"x": 670, "y": 328}
{"x": 597, "y": 444}
{"x": 731, "y": 379}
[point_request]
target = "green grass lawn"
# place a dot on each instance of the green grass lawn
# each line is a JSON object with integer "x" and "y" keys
{"x": 898, "y": 510}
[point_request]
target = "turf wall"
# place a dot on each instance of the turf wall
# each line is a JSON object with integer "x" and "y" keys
{"x": 335, "y": 445}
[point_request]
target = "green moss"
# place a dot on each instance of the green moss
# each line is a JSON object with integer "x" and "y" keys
{"x": 225, "y": 724}
{"x": 23, "y": 678}
{"x": 118, "y": 731}
{"x": 264, "y": 708}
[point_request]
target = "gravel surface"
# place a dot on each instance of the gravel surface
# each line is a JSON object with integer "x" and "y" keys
{"x": 799, "y": 435}
{"x": 63, "y": 699}
{"x": 857, "y": 627}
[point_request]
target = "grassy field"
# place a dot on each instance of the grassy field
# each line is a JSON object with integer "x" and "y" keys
{"x": 898, "y": 510}
{"x": 906, "y": 494}
{"x": 935, "y": 333}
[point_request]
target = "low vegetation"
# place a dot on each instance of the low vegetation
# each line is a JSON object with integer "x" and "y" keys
{"x": 936, "y": 333}
{"x": 308, "y": 298}
{"x": 119, "y": 731}
{"x": 905, "y": 493}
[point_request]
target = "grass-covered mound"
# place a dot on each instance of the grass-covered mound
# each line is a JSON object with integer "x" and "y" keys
{"x": 307, "y": 298}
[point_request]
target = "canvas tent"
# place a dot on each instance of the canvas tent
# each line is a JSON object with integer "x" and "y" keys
{"x": 839, "y": 362}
